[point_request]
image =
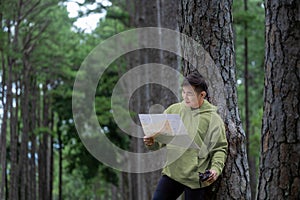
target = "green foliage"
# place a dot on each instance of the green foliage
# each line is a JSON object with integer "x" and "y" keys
{"x": 115, "y": 22}
{"x": 42, "y": 130}
{"x": 76, "y": 187}
{"x": 78, "y": 157}
{"x": 83, "y": 171}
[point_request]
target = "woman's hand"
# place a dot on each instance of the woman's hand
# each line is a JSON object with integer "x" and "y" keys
{"x": 149, "y": 141}
{"x": 213, "y": 176}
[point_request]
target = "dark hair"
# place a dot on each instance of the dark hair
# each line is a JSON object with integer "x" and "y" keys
{"x": 194, "y": 78}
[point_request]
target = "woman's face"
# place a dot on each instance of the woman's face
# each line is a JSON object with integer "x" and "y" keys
{"x": 191, "y": 98}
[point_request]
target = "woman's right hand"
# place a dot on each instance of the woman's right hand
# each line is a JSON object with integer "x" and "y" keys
{"x": 149, "y": 141}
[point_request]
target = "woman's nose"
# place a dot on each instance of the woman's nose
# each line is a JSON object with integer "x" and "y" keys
{"x": 184, "y": 96}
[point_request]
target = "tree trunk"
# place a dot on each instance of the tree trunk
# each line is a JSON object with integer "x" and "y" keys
{"x": 145, "y": 13}
{"x": 251, "y": 159}
{"x": 60, "y": 160}
{"x": 13, "y": 119}
{"x": 45, "y": 150}
{"x": 33, "y": 125}
{"x": 7, "y": 95}
{"x": 14, "y": 127}
{"x": 280, "y": 154}
{"x": 50, "y": 154}
{"x": 3, "y": 142}
{"x": 209, "y": 22}
{"x": 23, "y": 155}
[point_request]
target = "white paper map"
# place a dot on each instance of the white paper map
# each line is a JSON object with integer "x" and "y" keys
{"x": 165, "y": 124}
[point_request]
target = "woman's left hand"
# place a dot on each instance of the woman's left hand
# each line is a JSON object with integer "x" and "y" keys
{"x": 213, "y": 176}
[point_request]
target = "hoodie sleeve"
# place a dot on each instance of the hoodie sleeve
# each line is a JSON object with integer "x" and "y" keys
{"x": 218, "y": 145}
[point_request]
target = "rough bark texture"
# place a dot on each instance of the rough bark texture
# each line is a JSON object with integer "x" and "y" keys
{"x": 280, "y": 149}
{"x": 209, "y": 22}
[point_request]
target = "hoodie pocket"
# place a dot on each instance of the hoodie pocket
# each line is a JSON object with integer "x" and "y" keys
{"x": 184, "y": 165}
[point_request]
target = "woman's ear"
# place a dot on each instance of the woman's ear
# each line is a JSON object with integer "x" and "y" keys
{"x": 203, "y": 94}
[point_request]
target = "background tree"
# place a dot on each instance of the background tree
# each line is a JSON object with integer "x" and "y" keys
{"x": 280, "y": 158}
{"x": 148, "y": 14}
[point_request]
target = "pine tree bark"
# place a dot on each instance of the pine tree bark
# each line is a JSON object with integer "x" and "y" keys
{"x": 209, "y": 22}
{"x": 280, "y": 155}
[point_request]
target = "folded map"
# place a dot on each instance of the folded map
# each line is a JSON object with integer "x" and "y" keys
{"x": 165, "y": 124}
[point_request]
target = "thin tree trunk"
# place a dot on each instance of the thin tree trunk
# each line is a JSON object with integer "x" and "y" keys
{"x": 13, "y": 193}
{"x": 114, "y": 192}
{"x": 32, "y": 161}
{"x": 47, "y": 140}
{"x": 6, "y": 102}
{"x": 38, "y": 140}
{"x": 60, "y": 160}
{"x": 210, "y": 23}
{"x": 3, "y": 145}
{"x": 41, "y": 157}
{"x": 3, "y": 82}
{"x": 3, "y": 136}
{"x": 246, "y": 77}
{"x": 50, "y": 155}
{"x": 43, "y": 150}
{"x": 23, "y": 154}
{"x": 18, "y": 177}
{"x": 123, "y": 186}
{"x": 251, "y": 159}
{"x": 280, "y": 155}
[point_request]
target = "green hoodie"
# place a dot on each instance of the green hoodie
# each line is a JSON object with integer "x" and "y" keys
{"x": 206, "y": 129}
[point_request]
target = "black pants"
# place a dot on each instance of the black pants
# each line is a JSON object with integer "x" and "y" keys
{"x": 169, "y": 189}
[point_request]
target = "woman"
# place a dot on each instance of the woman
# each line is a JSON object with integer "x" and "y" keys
{"x": 206, "y": 129}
